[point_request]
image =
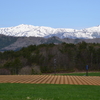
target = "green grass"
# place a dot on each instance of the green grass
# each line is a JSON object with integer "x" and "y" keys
{"x": 82, "y": 74}
{"x": 16, "y": 91}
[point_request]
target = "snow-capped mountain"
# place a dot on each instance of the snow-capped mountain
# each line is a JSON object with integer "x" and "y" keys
{"x": 41, "y": 31}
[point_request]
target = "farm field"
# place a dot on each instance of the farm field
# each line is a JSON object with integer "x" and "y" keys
{"x": 17, "y": 91}
{"x": 50, "y": 79}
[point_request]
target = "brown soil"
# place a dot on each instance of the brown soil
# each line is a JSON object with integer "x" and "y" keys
{"x": 50, "y": 79}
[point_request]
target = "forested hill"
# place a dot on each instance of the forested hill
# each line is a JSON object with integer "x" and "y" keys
{"x": 40, "y": 58}
{"x": 16, "y": 43}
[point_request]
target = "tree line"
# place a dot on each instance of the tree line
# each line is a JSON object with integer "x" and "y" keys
{"x": 69, "y": 57}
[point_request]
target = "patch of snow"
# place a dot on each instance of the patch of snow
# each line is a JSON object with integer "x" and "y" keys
{"x": 41, "y": 31}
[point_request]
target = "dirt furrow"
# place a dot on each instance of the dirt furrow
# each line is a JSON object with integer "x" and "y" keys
{"x": 78, "y": 81}
{"x": 43, "y": 79}
{"x": 46, "y": 80}
{"x": 62, "y": 81}
{"x": 92, "y": 81}
{"x": 66, "y": 79}
{"x": 69, "y": 80}
{"x": 74, "y": 80}
{"x": 50, "y": 80}
{"x": 25, "y": 79}
{"x": 97, "y": 80}
{"x": 86, "y": 82}
{"x": 57, "y": 80}
{"x": 34, "y": 78}
{"x": 54, "y": 80}
{"x": 38, "y": 79}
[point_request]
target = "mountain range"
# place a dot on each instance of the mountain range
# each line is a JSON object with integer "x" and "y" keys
{"x": 46, "y": 32}
{"x": 14, "y": 38}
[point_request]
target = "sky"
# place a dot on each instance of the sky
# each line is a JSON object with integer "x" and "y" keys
{"x": 76, "y": 14}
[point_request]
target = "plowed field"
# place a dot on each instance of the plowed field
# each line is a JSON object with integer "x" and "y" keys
{"x": 50, "y": 79}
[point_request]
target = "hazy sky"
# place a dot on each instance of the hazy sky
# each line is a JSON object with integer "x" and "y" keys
{"x": 75, "y": 14}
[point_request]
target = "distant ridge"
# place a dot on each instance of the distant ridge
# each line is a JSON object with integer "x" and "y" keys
{"x": 46, "y": 32}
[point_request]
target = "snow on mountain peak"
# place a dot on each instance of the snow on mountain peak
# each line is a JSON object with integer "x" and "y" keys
{"x": 41, "y": 31}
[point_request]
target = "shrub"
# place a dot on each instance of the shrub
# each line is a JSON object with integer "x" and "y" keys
{"x": 30, "y": 70}
{"x": 26, "y": 71}
{"x": 36, "y": 69}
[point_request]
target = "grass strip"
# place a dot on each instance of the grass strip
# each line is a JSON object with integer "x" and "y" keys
{"x": 17, "y": 91}
{"x": 82, "y": 74}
